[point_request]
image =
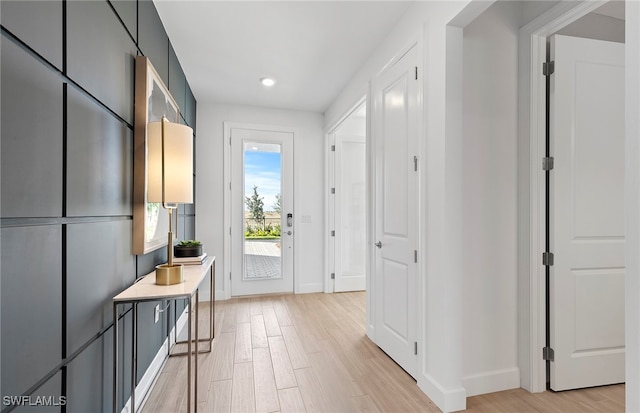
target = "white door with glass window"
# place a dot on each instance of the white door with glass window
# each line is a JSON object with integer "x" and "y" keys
{"x": 395, "y": 117}
{"x": 587, "y": 229}
{"x": 261, "y": 192}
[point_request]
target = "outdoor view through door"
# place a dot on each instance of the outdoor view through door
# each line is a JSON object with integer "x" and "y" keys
{"x": 261, "y": 211}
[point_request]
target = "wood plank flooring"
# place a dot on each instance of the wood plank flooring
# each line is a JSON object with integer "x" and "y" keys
{"x": 309, "y": 353}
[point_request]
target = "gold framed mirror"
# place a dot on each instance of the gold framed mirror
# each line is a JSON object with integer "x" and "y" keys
{"x": 152, "y": 102}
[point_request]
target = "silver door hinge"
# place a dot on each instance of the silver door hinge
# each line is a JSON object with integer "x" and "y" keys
{"x": 415, "y": 256}
{"x": 333, "y": 190}
{"x": 547, "y": 163}
{"x": 333, "y": 148}
{"x": 416, "y": 72}
{"x": 333, "y": 233}
{"x": 415, "y": 348}
{"x": 548, "y": 354}
{"x": 548, "y": 68}
{"x": 415, "y": 163}
{"x": 333, "y": 275}
{"x": 547, "y": 258}
{"x": 229, "y": 275}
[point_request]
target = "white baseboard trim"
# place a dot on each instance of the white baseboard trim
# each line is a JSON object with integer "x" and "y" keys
{"x": 492, "y": 381}
{"x": 310, "y": 288}
{"x": 304, "y": 289}
{"x": 448, "y": 400}
{"x": 143, "y": 389}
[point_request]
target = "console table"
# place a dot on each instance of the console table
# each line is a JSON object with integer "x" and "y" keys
{"x": 145, "y": 289}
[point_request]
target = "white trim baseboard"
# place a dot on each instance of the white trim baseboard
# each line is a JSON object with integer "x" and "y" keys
{"x": 448, "y": 400}
{"x": 492, "y": 381}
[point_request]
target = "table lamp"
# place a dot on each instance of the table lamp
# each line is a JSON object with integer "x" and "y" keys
{"x": 170, "y": 181}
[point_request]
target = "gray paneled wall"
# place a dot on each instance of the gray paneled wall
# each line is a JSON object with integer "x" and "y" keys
{"x": 66, "y": 147}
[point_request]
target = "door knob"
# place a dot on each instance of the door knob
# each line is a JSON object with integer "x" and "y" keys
{"x": 378, "y": 244}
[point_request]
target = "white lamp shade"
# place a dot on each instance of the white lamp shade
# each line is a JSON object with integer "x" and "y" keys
{"x": 178, "y": 163}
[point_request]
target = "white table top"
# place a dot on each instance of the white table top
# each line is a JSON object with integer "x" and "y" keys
{"x": 147, "y": 289}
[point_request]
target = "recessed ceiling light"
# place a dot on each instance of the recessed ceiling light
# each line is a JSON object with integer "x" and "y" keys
{"x": 267, "y": 81}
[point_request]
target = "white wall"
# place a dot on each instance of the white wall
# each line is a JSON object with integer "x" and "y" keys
{"x": 461, "y": 292}
{"x": 440, "y": 278}
{"x": 489, "y": 199}
{"x": 308, "y": 187}
{"x": 632, "y": 192}
{"x": 438, "y": 180}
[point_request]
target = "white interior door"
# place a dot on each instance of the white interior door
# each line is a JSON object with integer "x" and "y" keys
{"x": 350, "y": 212}
{"x": 587, "y": 232}
{"x": 261, "y": 246}
{"x": 395, "y": 95}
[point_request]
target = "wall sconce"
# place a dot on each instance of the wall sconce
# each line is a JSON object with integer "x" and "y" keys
{"x": 170, "y": 181}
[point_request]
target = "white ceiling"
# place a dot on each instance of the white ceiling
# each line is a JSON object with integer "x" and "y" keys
{"x": 311, "y": 48}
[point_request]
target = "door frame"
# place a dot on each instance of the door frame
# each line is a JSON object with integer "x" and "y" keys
{"x": 532, "y": 99}
{"x": 330, "y": 169}
{"x": 228, "y": 126}
{"x": 414, "y": 42}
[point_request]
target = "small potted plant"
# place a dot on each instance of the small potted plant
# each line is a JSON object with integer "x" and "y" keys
{"x": 188, "y": 248}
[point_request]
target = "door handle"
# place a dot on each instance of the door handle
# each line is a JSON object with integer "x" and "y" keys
{"x": 378, "y": 244}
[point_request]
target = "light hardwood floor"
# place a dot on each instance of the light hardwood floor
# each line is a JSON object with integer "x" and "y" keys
{"x": 309, "y": 353}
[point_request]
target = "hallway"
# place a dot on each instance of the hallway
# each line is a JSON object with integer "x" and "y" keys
{"x": 309, "y": 352}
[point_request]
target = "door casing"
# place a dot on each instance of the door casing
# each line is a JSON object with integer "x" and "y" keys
{"x": 394, "y": 250}
{"x": 330, "y": 204}
{"x": 532, "y": 50}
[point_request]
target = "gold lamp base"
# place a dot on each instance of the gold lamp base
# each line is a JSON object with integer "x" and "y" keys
{"x": 169, "y": 274}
